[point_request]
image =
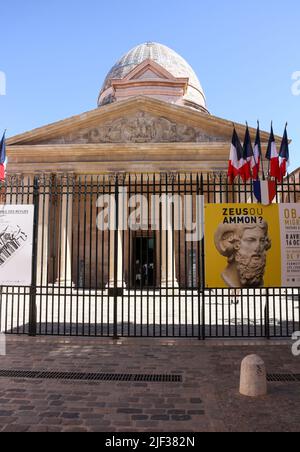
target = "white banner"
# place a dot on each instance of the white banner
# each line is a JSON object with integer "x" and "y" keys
{"x": 16, "y": 240}
{"x": 290, "y": 244}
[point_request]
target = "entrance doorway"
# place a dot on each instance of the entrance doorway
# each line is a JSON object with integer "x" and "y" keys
{"x": 144, "y": 262}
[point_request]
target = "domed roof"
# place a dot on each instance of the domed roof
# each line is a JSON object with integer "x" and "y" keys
{"x": 165, "y": 57}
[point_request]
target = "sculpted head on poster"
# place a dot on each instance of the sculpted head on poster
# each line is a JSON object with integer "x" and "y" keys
{"x": 245, "y": 247}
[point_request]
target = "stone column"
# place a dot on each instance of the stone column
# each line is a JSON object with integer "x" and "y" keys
{"x": 120, "y": 280}
{"x": 122, "y": 206}
{"x": 43, "y": 232}
{"x": 168, "y": 258}
{"x": 65, "y": 243}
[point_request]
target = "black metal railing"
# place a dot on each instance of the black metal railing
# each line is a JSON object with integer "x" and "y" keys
{"x": 89, "y": 279}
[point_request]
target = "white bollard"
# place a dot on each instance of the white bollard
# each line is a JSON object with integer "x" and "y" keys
{"x": 253, "y": 377}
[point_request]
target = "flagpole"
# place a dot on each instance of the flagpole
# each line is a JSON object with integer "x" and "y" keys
{"x": 286, "y": 127}
{"x": 270, "y": 159}
{"x": 3, "y": 145}
{"x": 252, "y": 142}
{"x": 261, "y": 156}
{"x": 284, "y": 153}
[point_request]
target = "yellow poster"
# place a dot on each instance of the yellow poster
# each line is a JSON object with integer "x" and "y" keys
{"x": 242, "y": 246}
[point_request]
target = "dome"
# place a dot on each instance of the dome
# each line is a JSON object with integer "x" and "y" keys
{"x": 163, "y": 56}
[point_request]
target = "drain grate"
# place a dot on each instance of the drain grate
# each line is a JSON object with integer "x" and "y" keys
{"x": 80, "y": 376}
{"x": 284, "y": 378}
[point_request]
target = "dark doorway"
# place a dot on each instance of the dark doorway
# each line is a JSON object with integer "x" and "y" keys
{"x": 144, "y": 262}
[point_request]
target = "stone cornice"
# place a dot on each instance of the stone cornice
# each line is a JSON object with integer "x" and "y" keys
{"x": 96, "y": 168}
{"x": 108, "y": 158}
{"x": 126, "y": 151}
{"x": 114, "y": 152}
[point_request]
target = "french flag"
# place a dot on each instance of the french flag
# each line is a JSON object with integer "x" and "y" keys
{"x": 265, "y": 191}
{"x": 248, "y": 155}
{"x": 236, "y": 161}
{"x": 255, "y": 164}
{"x": 284, "y": 155}
{"x": 3, "y": 159}
{"x": 273, "y": 157}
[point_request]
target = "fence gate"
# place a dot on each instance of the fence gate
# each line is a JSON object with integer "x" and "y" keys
{"x": 123, "y": 255}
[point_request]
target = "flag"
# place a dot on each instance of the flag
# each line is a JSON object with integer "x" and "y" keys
{"x": 248, "y": 155}
{"x": 273, "y": 157}
{"x": 255, "y": 165}
{"x": 3, "y": 159}
{"x": 284, "y": 155}
{"x": 264, "y": 191}
{"x": 235, "y": 158}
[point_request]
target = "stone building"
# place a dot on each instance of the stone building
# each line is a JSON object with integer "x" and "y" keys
{"x": 151, "y": 121}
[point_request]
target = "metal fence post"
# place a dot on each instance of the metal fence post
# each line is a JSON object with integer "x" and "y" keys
{"x": 116, "y": 256}
{"x": 32, "y": 302}
{"x": 202, "y": 260}
{"x": 267, "y": 314}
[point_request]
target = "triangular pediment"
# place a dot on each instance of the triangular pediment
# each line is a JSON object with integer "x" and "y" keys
{"x": 137, "y": 120}
{"x": 148, "y": 74}
{"x": 149, "y": 70}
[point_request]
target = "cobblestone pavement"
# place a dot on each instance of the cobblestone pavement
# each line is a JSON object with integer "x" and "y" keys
{"x": 206, "y": 400}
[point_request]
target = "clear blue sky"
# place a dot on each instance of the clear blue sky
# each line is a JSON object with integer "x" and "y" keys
{"x": 56, "y": 54}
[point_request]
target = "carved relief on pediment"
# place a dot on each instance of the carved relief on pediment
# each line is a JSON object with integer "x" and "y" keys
{"x": 138, "y": 128}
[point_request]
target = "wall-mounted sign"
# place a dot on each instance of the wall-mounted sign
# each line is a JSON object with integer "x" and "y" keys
{"x": 16, "y": 238}
{"x": 252, "y": 246}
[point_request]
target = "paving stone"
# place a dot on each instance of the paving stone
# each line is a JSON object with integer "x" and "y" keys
{"x": 38, "y": 429}
{"x": 160, "y": 418}
{"x": 92, "y": 416}
{"x": 49, "y": 414}
{"x": 57, "y": 403}
{"x": 96, "y": 405}
{"x": 6, "y": 413}
{"x": 177, "y": 412}
{"x": 7, "y": 420}
{"x": 198, "y": 401}
{"x": 70, "y": 415}
{"x": 29, "y": 420}
{"x": 98, "y": 422}
{"x": 54, "y": 397}
{"x": 16, "y": 428}
{"x": 129, "y": 411}
{"x": 51, "y": 421}
{"x": 196, "y": 412}
{"x": 181, "y": 418}
{"x": 140, "y": 417}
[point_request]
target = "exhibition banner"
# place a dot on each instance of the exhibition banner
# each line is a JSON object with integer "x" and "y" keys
{"x": 16, "y": 240}
{"x": 252, "y": 246}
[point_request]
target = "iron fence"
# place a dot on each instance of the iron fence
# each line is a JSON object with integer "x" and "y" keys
{"x": 94, "y": 276}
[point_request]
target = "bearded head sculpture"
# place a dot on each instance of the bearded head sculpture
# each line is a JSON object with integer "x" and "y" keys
{"x": 245, "y": 247}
